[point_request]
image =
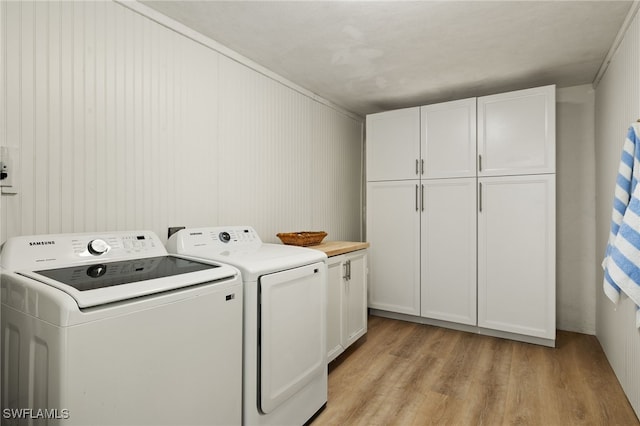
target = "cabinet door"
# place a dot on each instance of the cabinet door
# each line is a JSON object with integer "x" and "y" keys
{"x": 335, "y": 323}
{"x": 516, "y": 132}
{"x": 393, "y": 145}
{"x": 449, "y": 250}
{"x": 393, "y": 230}
{"x": 449, "y": 139}
{"x": 356, "y": 296}
{"x": 516, "y": 255}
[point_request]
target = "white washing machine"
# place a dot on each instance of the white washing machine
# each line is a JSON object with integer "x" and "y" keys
{"x": 285, "y": 364}
{"x": 108, "y": 329}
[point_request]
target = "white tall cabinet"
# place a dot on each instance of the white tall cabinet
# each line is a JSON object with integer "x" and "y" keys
{"x": 448, "y": 212}
{"x": 393, "y": 215}
{"x": 461, "y": 213}
{"x": 516, "y": 214}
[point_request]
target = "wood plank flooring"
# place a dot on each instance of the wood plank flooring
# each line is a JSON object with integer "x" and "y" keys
{"x": 403, "y": 373}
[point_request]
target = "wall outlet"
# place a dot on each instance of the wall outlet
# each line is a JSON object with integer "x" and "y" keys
{"x": 8, "y": 169}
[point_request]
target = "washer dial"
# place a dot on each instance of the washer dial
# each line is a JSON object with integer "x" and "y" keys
{"x": 97, "y": 247}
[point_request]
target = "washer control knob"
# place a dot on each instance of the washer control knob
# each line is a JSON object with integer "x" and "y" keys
{"x": 97, "y": 247}
{"x": 96, "y": 271}
{"x": 225, "y": 237}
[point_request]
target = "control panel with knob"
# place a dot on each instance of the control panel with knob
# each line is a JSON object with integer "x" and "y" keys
{"x": 226, "y": 239}
{"x": 97, "y": 247}
{"x": 37, "y": 252}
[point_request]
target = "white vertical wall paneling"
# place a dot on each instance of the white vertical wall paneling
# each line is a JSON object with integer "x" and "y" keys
{"x": 118, "y": 144}
{"x": 42, "y": 141}
{"x": 136, "y": 145}
{"x": 265, "y": 166}
{"x": 3, "y": 107}
{"x": 168, "y": 132}
{"x": 131, "y": 65}
{"x": 143, "y": 165}
{"x": 4, "y": 133}
{"x": 125, "y": 124}
{"x": 575, "y": 182}
{"x": 108, "y": 211}
{"x": 28, "y": 114}
{"x": 53, "y": 180}
{"x": 337, "y": 204}
{"x": 66, "y": 105}
{"x": 13, "y": 89}
{"x": 103, "y": 117}
{"x": 79, "y": 120}
{"x": 617, "y": 105}
{"x": 238, "y": 164}
{"x": 197, "y": 143}
{"x": 89, "y": 172}
{"x": 326, "y": 194}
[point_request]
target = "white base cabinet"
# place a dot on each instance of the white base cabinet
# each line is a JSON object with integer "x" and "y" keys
{"x": 347, "y": 301}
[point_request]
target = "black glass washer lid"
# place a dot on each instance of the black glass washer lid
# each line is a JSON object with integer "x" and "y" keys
{"x": 109, "y": 274}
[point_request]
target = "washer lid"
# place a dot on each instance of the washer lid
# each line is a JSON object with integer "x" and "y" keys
{"x": 100, "y": 268}
{"x": 101, "y": 283}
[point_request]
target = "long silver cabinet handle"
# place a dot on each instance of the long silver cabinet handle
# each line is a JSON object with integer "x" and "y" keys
{"x": 416, "y": 166}
{"x": 479, "y": 162}
{"x": 480, "y": 197}
{"x": 422, "y": 198}
{"x": 422, "y": 167}
{"x": 416, "y": 197}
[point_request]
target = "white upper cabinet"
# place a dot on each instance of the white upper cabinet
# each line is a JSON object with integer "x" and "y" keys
{"x": 393, "y": 145}
{"x": 516, "y": 132}
{"x": 449, "y": 139}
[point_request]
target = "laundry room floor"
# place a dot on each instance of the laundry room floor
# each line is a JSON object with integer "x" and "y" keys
{"x": 402, "y": 373}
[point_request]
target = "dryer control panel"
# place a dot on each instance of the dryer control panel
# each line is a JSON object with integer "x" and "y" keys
{"x": 242, "y": 235}
{"x": 213, "y": 238}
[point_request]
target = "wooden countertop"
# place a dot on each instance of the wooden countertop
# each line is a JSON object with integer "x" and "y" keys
{"x": 334, "y": 248}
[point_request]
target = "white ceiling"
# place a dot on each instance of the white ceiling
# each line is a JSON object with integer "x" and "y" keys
{"x": 370, "y": 56}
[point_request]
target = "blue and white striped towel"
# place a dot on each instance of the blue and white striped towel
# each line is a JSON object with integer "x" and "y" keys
{"x": 622, "y": 259}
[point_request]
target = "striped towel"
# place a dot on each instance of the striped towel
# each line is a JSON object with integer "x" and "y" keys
{"x": 622, "y": 259}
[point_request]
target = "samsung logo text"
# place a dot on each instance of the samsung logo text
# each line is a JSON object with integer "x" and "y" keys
{"x": 41, "y": 243}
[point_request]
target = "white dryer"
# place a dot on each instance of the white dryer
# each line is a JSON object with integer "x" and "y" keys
{"x": 108, "y": 329}
{"x": 285, "y": 364}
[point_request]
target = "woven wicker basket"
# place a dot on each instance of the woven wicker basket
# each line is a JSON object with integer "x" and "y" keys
{"x": 305, "y": 238}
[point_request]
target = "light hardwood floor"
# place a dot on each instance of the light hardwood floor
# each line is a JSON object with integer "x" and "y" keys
{"x": 403, "y": 373}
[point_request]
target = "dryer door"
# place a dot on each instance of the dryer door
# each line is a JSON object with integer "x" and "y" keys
{"x": 292, "y": 332}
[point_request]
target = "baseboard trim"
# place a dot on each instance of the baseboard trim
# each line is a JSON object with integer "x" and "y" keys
{"x": 464, "y": 327}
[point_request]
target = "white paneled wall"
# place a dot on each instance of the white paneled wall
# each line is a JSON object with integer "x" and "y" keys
{"x": 617, "y": 106}
{"x": 336, "y": 202}
{"x": 121, "y": 123}
{"x": 575, "y": 201}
